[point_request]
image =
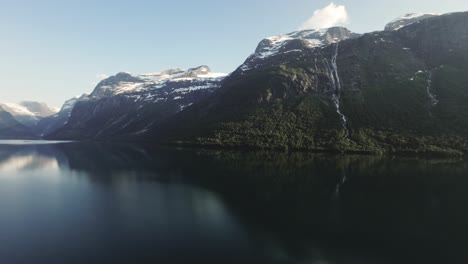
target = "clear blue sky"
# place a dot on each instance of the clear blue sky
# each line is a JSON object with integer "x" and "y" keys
{"x": 51, "y": 50}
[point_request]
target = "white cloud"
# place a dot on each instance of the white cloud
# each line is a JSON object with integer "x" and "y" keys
{"x": 329, "y": 16}
{"x": 99, "y": 77}
{"x": 102, "y": 76}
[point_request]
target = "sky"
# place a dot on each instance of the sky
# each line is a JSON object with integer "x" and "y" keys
{"x": 52, "y": 50}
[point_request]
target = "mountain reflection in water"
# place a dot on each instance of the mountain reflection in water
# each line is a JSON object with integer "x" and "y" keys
{"x": 119, "y": 203}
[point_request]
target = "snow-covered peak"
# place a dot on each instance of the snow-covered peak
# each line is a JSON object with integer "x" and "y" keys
{"x": 272, "y": 45}
{"x": 16, "y": 109}
{"x": 28, "y": 108}
{"x": 295, "y": 42}
{"x": 163, "y": 75}
{"x": 124, "y": 83}
{"x": 412, "y": 16}
{"x": 406, "y": 20}
{"x": 38, "y": 109}
{"x": 202, "y": 72}
{"x": 179, "y": 74}
{"x": 310, "y": 34}
{"x": 28, "y": 113}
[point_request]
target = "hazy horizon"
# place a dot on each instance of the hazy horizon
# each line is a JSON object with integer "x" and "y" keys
{"x": 56, "y": 50}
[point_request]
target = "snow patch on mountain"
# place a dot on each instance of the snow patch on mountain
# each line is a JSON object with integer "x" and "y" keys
{"x": 412, "y": 16}
{"x": 275, "y": 44}
{"x": 17, "y": 109}
{"x": 124, "y": 83}
{"x": 407, "y": 20}
{"x": 28, "y": 113}
{"x": 295, "y": 42}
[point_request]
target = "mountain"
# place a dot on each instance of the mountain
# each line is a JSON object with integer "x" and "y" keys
{"x": 395, "y": 91}
{"x": 10, "y": 128}
{"x": 28, "y": 113}
{"x": 39, "y": 109}
{"x": 279, "y": 49}
{"x": 52, "y": 123}
{"x": 406, "y": 20}
{"x": 124, "y": 106}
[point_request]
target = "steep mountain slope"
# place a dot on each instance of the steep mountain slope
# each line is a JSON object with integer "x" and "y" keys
{"x": 392, "y": 91}
{"x": 125, "y": 106}
{"x": 52, "y": 123}
{"x": 12, "y": 129}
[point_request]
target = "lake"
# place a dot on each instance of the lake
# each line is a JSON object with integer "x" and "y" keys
{"x": 119, "y": 203}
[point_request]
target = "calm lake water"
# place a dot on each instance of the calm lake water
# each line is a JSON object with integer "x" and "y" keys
{"x": 102, "y": 203}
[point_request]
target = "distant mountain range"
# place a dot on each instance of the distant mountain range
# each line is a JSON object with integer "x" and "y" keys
{"x": 401, "y": 90}
{"x": 10, "y": 128}
{"x": 20, "y": 120}
{"x": 28, "y": 113}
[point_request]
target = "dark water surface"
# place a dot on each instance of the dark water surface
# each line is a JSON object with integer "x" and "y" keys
{"x": 95, "y": 203}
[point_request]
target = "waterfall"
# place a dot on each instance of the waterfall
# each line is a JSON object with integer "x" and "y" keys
{"x": 337, "y": 89}
{"x": 335, "y": 69}
{"x": 344, "y": 121}
{"x": 431, "y": 96}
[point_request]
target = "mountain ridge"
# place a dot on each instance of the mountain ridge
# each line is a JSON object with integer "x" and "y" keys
{"x": 375, "y": 93}
{"x": 124, "y": 106}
